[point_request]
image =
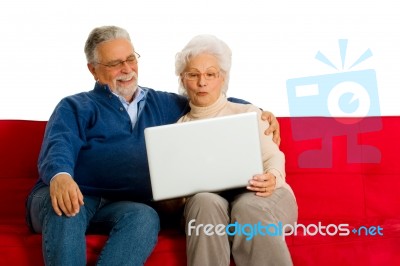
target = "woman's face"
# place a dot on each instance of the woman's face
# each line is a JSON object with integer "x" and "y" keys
{"x": 203, "y": 80}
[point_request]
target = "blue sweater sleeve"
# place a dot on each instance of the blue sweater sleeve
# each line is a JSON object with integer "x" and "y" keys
{"x": 61, "y": 143}
{"x": 236, "y": 100}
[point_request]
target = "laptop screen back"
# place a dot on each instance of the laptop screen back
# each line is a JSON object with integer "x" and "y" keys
{"x": 207, "y": 155}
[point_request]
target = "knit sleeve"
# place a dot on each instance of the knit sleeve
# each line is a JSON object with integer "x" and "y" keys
{"x": 62, "y": 141}
{"x": 273, "y": 157}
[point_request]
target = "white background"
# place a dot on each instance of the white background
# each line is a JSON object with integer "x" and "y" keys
{"x": 42, "y": 59}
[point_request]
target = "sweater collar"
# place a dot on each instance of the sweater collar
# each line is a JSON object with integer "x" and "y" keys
{"x": 208, "y": 111}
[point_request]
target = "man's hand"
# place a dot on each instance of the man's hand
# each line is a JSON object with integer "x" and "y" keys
{"x": 273, "y": 126}
{"x": 65, "y": 194}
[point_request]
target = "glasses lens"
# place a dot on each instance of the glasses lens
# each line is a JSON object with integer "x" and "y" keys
{"x": 211, "y": 75}
{"x": 132, "y": 60}
{"x": 192, "y": 75}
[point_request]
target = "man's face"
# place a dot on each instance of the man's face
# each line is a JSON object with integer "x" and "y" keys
{"x": 111, "y": 68}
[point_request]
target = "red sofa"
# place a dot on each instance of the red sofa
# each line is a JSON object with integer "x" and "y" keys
{"x": 342, "y": 171}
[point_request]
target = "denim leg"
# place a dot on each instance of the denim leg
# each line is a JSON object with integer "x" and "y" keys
{"x": 63, "y": 238}
{"x": 133, "y": 232}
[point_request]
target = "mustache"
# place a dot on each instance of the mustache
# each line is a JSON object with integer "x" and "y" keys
{"x": 127, "y": 77}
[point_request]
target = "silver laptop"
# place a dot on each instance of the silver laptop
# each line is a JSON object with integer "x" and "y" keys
{"x": 207, "y": 155}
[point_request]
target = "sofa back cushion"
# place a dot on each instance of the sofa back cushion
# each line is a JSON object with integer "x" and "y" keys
{"x": 20, "y": 143}
{"x": 343, "y": 169}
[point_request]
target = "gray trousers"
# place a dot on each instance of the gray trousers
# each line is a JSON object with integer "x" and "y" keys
{"x": 208, "y": 245}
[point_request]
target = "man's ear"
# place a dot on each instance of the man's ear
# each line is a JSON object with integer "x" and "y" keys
{"x": 92, "y": 70}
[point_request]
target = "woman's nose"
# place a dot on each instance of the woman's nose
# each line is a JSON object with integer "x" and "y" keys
{"x": 202, "y": 80}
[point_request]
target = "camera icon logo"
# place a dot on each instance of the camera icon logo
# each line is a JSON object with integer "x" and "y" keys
{"x": 346, "y": 94}
{"x": 347, "y": 98}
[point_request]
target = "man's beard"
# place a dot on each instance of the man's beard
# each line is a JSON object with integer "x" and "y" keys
{"x": 129, "y": 90}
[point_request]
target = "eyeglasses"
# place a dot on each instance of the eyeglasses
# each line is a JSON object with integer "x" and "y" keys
{"x": 211, "y": 75}
{"x": 118, "y": 64}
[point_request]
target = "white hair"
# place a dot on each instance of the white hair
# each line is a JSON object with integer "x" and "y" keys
{"x": 102, "y": 34}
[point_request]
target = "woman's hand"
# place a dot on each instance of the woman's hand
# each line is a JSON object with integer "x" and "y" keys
{"x": 263, "y": 185}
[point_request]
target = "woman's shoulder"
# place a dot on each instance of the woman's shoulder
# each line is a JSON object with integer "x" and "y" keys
{"x": 238, "y": 108}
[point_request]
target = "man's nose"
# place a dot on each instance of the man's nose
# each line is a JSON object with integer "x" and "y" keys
{"x": 125, "y": 67}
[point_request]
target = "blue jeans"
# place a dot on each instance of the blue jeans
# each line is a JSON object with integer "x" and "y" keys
{"x": 132, "y": 227}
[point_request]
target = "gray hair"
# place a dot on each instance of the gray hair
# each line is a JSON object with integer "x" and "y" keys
{"x": 100, "y": 35}
{"x": 204, "y": 44}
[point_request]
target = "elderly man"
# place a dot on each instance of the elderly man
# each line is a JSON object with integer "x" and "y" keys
{"x": 93, "y": 168}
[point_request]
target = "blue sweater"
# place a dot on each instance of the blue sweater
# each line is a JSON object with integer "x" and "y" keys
{"x": 90, "y": 136}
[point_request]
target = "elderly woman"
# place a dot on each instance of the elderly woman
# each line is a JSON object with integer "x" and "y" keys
{"x": 203, "y": 68}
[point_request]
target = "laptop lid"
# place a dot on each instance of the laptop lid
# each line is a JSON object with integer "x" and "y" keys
{"x": 206, "y": 155}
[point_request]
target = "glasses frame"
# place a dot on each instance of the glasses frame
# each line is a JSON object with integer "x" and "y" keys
{"x": 199, "y": 74}
{"x": 119, "y": 63}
